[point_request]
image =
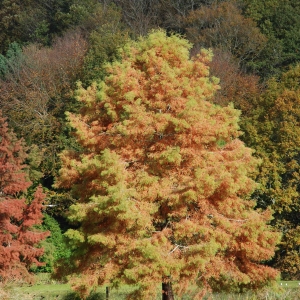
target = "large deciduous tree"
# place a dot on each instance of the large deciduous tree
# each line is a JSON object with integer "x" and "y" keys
{"x": 19, "y": 241}
{"x": 162, "y": 181}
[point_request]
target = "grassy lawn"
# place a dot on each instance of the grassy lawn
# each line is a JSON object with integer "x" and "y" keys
{"x": 44, "y": 289}
{"x": 61, "y": 292}
{"x": 290, "y": 284}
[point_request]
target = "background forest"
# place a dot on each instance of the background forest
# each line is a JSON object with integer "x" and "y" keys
{"x": 52, "y": 49}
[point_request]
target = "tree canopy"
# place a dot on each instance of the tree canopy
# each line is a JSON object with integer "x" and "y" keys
{"x": 279, "y": 21}
{"x": 271, "y": 127}
{"x": 19, "y": 240}
{"x": 162, "y": 182}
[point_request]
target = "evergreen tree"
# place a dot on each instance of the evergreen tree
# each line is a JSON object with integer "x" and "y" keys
{"x": 163, "y": 180}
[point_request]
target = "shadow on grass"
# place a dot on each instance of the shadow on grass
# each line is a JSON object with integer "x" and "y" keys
{"x": 74, "y": 296}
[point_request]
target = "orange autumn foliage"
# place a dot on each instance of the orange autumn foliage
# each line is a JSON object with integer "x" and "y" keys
{"x": 237, "y": 87}
{"x": 163, "y": 180}
{"x": 19, "y": 240}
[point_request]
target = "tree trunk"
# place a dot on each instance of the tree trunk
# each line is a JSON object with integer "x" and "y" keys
{"x": 107, "y": 293}
{"x": 167, "y": 291}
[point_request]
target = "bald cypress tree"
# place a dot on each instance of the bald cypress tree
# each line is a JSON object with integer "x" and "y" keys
{"x": 162, "y": 181}
{"x": 19, "y": 240}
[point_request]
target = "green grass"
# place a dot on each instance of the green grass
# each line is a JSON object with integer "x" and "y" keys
{"x": 45, "y": 289}
{"x": 290, "y": 284}
{"x": 62, "y": 292}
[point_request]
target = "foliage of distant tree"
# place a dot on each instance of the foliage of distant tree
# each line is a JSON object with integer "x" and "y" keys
{"x": 11, "y": 60}
{"x": 19, "y": 239}
{"x": 107, "y": 33}
{"x": 272, "y": 128}
{"x": 279, "y": 21}
{"x": 55, "y": 247}
{"x": 9, "y": 26}
{"x": 36, "y": 89}
{"x": 39, "y": 22}
{"x": 162, "y": 180}
{"x": 143, "y": 15}
{"x": 237, "y": 87}
{"x": 222, "y": 26}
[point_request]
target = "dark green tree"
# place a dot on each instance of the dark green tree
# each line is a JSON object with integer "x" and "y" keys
{"x": 11, "y": 61}
{"x": 55, "y": 246}
{"x": 279, "y": 21}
